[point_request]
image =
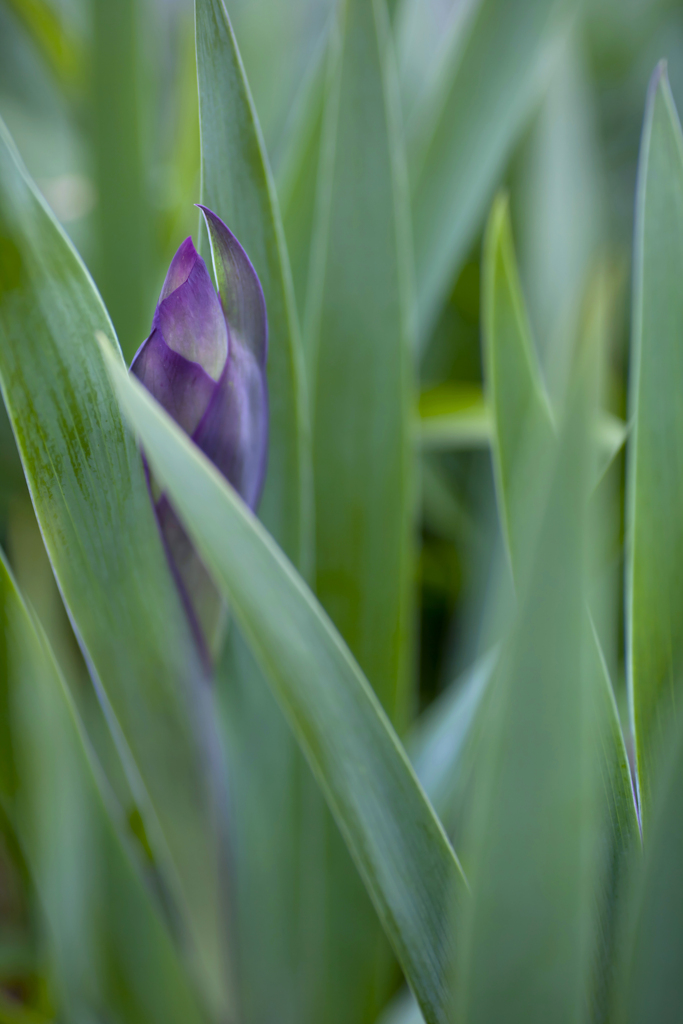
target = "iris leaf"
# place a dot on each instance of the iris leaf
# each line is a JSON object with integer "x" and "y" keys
{"x": 359, "y": 355}
{"x": 361, "y": 366}
{"x": 526, "y": 937}
{"x": 467, "y": 126}
{"x": 396, "y": 840}
{"x": 237, "y": 185}
{"x": 112, "y": 952}
{"x": 523, "y": 437}
{"x": 93, "y": 506}
{"x": 654, "y": 572}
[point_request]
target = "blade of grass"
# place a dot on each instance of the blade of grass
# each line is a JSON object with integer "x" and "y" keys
{"x": 397, "y": 842}
{"x": 654, "y": 569}
{"x": 91, "y": 499}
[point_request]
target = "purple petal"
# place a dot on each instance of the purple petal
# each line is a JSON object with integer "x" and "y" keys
{"x": 181, "y": 386}
{"x": 190, "y": 317}
{"x": 234, "y": 430}
{"x": 179, "y": 270}
{"x": 239, "y": 288}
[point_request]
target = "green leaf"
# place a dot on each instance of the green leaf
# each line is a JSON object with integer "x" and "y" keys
{"x": 237, "y": 185}
{"x": 654, "y": 573}
{"x": 297, "y": 183}
{"x": 92, "y": 502}
{"x": 111, "y": 951}
{"x": 623, "y": 844}
{"x": 521, "y": 442}
{"x": 466, "y": 129}
{"x": 396, "y": 840}
{"x": 649, "y": 984}
{"x": 519, "y": 405}
{"x": 454, "y": 416}
{"x": 280, "y": 852}
{"x": 438, "y": 742}
{"x": 560, "y": 222}
{"x": 58, "y": 44}
{"x": 526, "y": 937}
{"x": 361, "y": 377}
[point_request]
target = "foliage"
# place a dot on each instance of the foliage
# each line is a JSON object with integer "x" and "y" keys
{"x": 427, "y": 745}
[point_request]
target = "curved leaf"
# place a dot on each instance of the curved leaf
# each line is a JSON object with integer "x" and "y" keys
{"x": 92, "y": 502}
{"x": 111, "y": 951}
{"x": 391, "y": 830}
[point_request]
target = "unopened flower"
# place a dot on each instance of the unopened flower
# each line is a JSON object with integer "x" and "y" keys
{"x": 205, "y": 362}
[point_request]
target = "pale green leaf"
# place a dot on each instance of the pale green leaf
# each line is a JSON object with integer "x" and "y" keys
{"x": 649, "y": 982}
{"x": 520, "y": 410}
{"x": 526, "y": 938}
{"x": 465, "y": 130}
{"x": 522, "y": 441}
{"x": 654, "y": 572}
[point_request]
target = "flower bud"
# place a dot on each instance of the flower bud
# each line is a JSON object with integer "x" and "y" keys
{"x": 205, "y": 362}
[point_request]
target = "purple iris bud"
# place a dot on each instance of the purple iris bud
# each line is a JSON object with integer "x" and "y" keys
{"x": 205, "y": 362}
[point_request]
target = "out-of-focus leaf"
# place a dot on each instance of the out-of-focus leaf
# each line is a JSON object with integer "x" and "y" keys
{"x": 654, "y": 571}
{"x": 298, "y": 184}
{"x": 402, "y": 1010}
{"x": 59, "y": 46}
{"x": 120, "y": 115}
{"x": 279, "y": 44}
{"x": 361, "y": 379}
{"x": 429, "y": 37}
{"x": 520, "y": 409}
{"x": 237, "y": 185}
{"x": 92, "y": 502}
{"x": 454, "y": 416}
{"x": 649, "y": 983}
{"x": 559, "y": 223}
{"x": 525, "y": 940}
{"x": 397, "y": 842}
{"x": 466, "y": 129}
{"x": 517, "y": 395}
{"x": 111, "y": 952}
{"x": 622, "y": 843}
{"x": 439, "y": 738}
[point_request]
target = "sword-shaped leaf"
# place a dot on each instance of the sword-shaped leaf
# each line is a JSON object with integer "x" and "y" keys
{"x": 467, "y": 127}
{"x": 390, "y": 828}
{"x": 654, "y": 573}
{"x": 91, "y": 499}
{"x": 110, "y": 950}
{"x": 237, "y": 185}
